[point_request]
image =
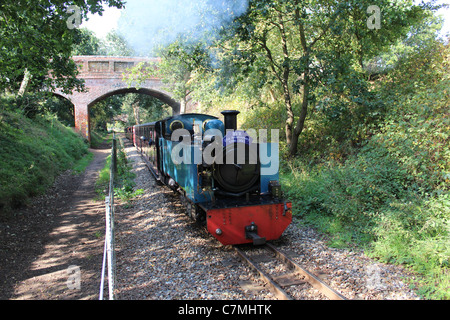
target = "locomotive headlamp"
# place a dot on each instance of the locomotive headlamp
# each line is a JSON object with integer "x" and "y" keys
{"x": 275, "y": 189}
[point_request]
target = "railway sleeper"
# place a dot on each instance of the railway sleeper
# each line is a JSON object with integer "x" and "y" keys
{"x": 289, "y": 280}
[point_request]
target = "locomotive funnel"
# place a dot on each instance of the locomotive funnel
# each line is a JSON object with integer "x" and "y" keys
{"x": 230, "y": 119}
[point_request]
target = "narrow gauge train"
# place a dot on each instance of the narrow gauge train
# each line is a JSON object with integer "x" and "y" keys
{"x": 238, "y": 199}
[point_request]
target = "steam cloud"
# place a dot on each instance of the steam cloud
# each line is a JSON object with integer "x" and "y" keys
{"x": 148, "y": 23}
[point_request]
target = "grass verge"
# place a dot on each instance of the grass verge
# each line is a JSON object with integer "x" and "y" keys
{"x": 33, "y": 152}
{"x": 81, "y": 165}
{"x": 124, "y": 179}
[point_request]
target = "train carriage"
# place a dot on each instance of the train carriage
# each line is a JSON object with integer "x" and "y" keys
{"x": 144, "y": 137}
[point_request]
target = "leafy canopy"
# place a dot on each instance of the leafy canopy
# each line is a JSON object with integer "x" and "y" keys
{"x": 34, "y": 36}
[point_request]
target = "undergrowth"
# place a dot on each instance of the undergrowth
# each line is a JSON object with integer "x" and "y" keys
{"x": 388, "y": 194}
{"x": 123, "y": 179}
{"x": 374, "y": 173}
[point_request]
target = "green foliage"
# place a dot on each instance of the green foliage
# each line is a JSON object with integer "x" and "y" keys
{"x": 124, "y": 187}
{"x": 34, "y": 36}
{"x": 390, "y": 193}
{"x": 86, "y": 43}
{"x": 123, "y": 180}
{"x": 81, "y": 165}
{"x": 140, "y": 108}
{"x": 33, "y": 153}
{"x": 61, "y": 107}
{"x": 116, "y": 45}
{"x": 102, "y": 183}
{"x": 374, "y": 202}
{"x": 351, "y": 193}
{"x": 33, "y": 104}
{"x": 312, "y": 49}
{"x": 178, "y": 62}
{"x": 417, "y": 233}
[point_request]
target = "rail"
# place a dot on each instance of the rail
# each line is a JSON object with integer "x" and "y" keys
{"x": 109, "y": 257}
{"x": 295, "y": 271}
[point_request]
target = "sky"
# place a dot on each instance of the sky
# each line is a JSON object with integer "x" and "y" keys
{"x": 101, "y": 25}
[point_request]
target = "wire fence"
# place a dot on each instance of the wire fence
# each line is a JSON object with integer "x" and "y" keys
{"x": 109, "y": 257}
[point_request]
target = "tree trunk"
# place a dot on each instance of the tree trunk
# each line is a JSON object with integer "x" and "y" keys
{"x": 272, "y": 95}
{"x": 293, "y": 148}
{"x": 24, "y": 85}
{"x": 183, "y": 106}
{"x": 290, "y": 116}
{"x": 286, "y": 68}
{"x": 136, "y": 112}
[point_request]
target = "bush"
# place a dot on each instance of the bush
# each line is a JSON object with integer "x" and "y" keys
{"x": 373, "y": 201}
{"x": 390, "y": 193}
{"x": 352, "y": 194}
{"x": 417, "y": 233}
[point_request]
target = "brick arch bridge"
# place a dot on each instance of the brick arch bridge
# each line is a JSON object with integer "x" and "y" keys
{"x": 103, "y": 78}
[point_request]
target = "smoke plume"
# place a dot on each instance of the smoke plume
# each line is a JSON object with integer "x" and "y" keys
{"x": 149, "y": 23}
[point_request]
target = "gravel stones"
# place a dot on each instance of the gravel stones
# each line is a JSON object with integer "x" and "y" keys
{"x": 351, "y": 273}
{"x": 161, "y": 254}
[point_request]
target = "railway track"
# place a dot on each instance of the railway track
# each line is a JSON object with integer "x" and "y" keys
{"x": 282, "y": 275}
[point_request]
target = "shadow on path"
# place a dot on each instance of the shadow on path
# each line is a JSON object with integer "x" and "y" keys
{"x": 63, "y": 228}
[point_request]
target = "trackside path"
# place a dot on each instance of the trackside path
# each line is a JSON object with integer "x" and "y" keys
{"x": 60, "y": 229}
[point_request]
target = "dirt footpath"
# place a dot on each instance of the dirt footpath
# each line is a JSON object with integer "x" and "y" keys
{"x": 53, "y": 250}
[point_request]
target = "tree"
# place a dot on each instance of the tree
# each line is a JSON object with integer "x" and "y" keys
{"x": 178, "y": 61}
{"x": 301, "y": 45}
{"x": 116, "y": 45}
{"x": 35, "y": 40}
{"x": 141, "y": 108}
{"x": 86, "y": 43}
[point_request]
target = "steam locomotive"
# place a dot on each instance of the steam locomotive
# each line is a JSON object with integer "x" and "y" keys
{"x": 227, "y": 179}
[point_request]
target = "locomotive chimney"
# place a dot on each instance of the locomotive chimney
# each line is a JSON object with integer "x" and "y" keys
{"x": 230, "y": 119}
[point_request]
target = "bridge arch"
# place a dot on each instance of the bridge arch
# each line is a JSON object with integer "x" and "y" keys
{"x": 66, "y": 116}
{"x": 164, "y": 97}
{"x": 103, "y": 77}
